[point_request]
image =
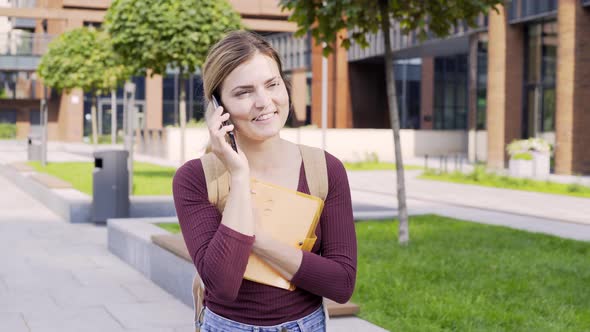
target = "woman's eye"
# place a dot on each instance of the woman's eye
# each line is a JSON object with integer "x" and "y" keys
{"x": 242, "y": 93}
{"x": 273, "y": 84}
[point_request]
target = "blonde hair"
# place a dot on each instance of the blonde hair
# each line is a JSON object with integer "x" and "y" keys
{"x": 233, "y": 50}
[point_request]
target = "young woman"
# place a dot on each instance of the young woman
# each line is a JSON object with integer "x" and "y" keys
{"x": 244, "y": 72}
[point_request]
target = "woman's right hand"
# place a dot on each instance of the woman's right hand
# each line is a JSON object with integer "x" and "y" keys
{"x": 236, "y": 163}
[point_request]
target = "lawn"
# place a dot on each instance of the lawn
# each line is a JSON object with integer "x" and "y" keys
{"x": 148, "y": 179}
{"x": 375, "y": 165}
{"x": 480, "y": 177}
{"x": 463, "y": 276}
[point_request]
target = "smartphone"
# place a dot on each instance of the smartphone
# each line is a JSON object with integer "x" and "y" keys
{"x": 231, "y": 137}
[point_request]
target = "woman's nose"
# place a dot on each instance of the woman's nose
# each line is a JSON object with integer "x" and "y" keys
{"x": 262, "y": 99}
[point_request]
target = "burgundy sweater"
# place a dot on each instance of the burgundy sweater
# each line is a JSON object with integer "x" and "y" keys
{"x": 220, "y": 254}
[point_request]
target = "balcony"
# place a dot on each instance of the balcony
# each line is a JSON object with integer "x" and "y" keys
{"x": 294, "y": 52}
{"x": 23, "y": 23}
{"x": 407, "y": 45}
{"x": 21, "y": 50}
{"x": 24, "y": 43}
{"x": 528, "y": 10}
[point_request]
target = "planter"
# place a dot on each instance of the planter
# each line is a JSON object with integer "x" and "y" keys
{"x": 520, "y": 168}
{"x": 541, "y": 164}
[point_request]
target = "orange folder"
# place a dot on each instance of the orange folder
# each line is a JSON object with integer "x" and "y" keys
{"x": 288, "y": 216}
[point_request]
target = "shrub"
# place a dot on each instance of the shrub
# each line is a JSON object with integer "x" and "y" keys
{"x": 523, "y": 148}
{"x": 7, "y": 130}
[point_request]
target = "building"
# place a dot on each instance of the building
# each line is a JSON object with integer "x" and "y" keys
{"x": 523, "y": 72}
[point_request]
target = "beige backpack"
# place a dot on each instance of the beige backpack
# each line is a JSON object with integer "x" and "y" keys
{"x": 218, "y": 179}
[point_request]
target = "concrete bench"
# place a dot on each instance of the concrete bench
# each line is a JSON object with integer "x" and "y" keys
{"x": 22, "y": 167}
{"x": 174, "y": 243}
{"x": 50, "y": 181}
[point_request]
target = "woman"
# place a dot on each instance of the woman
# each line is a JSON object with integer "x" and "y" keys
{"x": 244, "y": 72}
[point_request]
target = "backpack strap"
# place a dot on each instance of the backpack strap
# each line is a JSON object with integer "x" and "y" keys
{"x": 316, "y": 171}
{"x": 217, "y": 178}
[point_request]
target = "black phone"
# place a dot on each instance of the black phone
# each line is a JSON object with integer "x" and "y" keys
{"x": 232, "y": 139}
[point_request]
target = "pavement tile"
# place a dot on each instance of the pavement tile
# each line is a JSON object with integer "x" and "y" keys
{"x": 83, "y": 297}
{"x": 107, "y": 277}
{"x": 148, "y": 292}
{"x": 95, "y": 319}
{"x": 27, "y": 302}
{"x": 159, "y": 314}
{"x": 13, "y": 322}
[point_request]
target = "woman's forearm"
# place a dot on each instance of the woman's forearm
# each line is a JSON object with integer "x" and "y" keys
{"x": 237, "y": 213}
{"x": 283, "y": 258}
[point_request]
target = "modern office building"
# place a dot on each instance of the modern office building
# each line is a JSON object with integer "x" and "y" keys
{"x": 524, "y": 71}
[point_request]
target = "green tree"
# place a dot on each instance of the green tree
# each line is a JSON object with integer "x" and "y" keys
{"x": 153, "y": 35}
{"x": 83, "y": 58}
{"x": 327, "y": 18}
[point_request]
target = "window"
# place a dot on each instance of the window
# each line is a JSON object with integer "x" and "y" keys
{"x": 450, "y": 92}
{"x": 17, "y": 85}
{"x": 195, "y": 109}
{"x": 481, "y": 85}
{"x": 540, "y": 74}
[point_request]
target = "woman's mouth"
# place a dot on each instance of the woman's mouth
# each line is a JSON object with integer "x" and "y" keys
{"x": 265, "y": 117}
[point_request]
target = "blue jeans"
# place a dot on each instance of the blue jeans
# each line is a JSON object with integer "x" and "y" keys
{"x": 314, "y": 322}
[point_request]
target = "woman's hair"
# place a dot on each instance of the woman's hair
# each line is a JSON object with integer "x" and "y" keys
{"x": 233, "y": 50}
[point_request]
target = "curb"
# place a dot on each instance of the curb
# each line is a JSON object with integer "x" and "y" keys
{"x": 75, "y": 206}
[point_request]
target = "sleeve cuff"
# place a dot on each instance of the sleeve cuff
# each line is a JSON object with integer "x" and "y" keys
{"x": 245, "y": 239}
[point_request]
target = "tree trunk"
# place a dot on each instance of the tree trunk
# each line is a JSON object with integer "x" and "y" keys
{"x": 113, "y": 116}
{"x": 93, "y": 120}
{"x": 404, "y": 234}
{"x": 182, "y": 111}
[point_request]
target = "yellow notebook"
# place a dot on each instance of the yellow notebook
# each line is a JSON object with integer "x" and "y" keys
{"x": 288, "y": 216}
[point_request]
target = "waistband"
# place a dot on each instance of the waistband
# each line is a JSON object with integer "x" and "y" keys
{"x": 214, "y": 319}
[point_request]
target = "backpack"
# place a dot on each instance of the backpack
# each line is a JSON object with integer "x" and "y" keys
{"x": 218, "y": 179}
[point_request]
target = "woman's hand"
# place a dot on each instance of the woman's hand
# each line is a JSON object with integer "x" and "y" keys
{"x": 236, "y": 163}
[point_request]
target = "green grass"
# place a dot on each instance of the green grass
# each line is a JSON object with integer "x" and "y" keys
{"x": 7, "y": 131}
{"x": 148, "y": 179}
{"x": 463, "y": 276}
{"x": 106, "y": 139}
{"x": 480, "y": 177}
{"x": 375, "y": 165}
{"x": 173, "y": 228}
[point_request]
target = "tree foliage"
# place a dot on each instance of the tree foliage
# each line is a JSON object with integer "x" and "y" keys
{"x": 82, "y": 58}
{"x": 360, "y": 17}
{"x": 327, "y": 18}
{"x": 156, "y": 34}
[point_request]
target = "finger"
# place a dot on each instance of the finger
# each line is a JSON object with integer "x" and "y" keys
{"x": 224, "y": 130}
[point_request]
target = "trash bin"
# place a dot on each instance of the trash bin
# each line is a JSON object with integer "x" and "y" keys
{"x": 110, "y": 185}
{"x": 34, "y": 148}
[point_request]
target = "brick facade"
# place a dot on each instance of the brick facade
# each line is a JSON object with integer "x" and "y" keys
{"x": 427, "y": 93}
{"x": 339, "y": 104}
{"x": 572, "y": 153}
{"x": 505, "y": 82}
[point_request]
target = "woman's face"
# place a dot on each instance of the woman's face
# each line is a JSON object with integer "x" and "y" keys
{"x": 256, "y": 97}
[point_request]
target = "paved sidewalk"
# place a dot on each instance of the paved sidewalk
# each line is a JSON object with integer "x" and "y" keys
{"x": 552, "y": 214}
{"x": 61, "y": 277}
{"x": 56, "y": 276}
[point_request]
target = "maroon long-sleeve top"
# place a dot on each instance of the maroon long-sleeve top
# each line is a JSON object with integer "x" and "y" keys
{"x": 220, "y": 253}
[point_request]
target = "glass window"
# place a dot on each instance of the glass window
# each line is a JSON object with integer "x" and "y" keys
{"x": 540, "y": 76}
{"x": 450, "y": 92}
{"x": 17, "y": 85}
{"x": 8, "y": 116}
{"x": 548, "y": 110}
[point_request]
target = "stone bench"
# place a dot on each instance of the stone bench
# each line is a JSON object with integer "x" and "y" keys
{"x": 174, "y": 243}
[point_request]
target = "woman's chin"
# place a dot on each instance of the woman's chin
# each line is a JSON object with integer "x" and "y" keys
{"x": 262, "y": 134}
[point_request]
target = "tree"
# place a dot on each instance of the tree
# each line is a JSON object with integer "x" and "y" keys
{"x": 361, "y": 17}
{"x": 82, "y": 58}
{"x": 153, "y": 35}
